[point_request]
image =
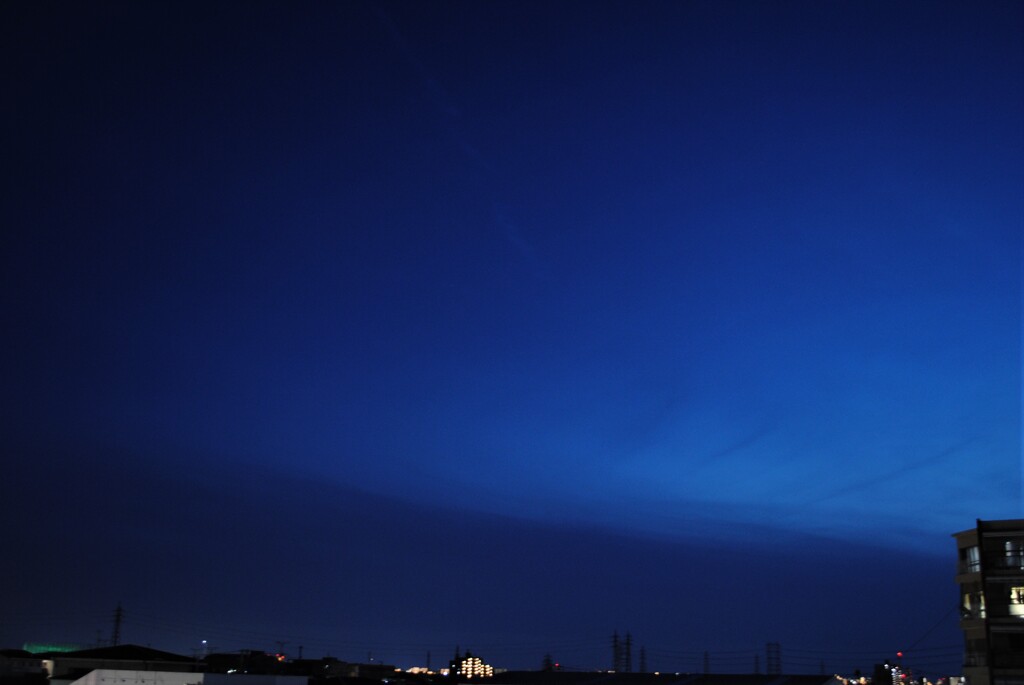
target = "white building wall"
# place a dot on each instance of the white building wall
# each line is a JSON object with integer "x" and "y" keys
{"x": 106, "y": 676}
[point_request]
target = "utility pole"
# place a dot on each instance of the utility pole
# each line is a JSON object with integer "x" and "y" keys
{"x": 643, "y": 659}
{"x": 629, "y": 653}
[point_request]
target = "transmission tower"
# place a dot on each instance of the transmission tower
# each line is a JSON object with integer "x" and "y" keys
{"x": 115, "y": 637}
{"x": 773, "y": 658}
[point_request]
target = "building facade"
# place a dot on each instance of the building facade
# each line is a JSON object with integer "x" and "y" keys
{"x": 470, "y": 666}
{"x": 990, "y": 573}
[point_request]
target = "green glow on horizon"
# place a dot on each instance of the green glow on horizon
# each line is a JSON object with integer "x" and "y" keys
{"x": 41, "y": 647}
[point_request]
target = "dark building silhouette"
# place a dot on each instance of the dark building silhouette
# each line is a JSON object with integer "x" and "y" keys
{"x": 19, "y": 667}
{"x": 605, "y": 678}
{"x": 72, "y": 665}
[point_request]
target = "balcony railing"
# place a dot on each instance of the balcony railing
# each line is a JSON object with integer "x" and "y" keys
{"x": 969, "y": 566}
{"x": 1008, "y": 661}
{"x": 1009, "y": 561}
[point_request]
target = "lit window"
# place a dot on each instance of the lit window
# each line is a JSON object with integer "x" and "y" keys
{"x": 1017, "y": 601}
{"x": 973, "y": 605}
{"x": 1013, "y": 551}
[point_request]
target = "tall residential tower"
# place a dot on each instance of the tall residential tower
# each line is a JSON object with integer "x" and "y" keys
{"x": 991, "y": 576}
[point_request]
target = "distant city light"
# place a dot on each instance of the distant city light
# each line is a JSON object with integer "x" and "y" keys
{"x": 474, "y": 667}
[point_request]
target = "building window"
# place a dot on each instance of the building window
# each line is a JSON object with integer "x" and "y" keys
{"x": 973, "y": 605}
{"x": 1017, "y": 601}
{"x": 474, "y": 667}
{"x": 972, "y": 559}
{"x": 1013, "y": 553}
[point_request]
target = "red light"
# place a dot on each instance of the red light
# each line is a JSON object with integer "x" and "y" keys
{"x": 899, "y": 654}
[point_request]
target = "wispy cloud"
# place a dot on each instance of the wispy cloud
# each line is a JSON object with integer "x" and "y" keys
{"x": 450, "y": 118}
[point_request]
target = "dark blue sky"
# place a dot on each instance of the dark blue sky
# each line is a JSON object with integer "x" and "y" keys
{"x": 696, "y": 319}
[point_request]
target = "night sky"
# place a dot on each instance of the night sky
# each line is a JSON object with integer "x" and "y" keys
{"x": 390, "y": 327}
